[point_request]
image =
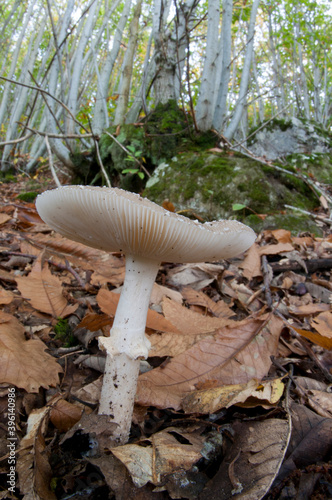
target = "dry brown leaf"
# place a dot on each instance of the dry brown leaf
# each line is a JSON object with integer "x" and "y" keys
{"x": 321, "y": 402}
{"x": 218, "y": 309}
{"x": 323, "y": 324}
{"x": 189, "y": 322}
{"x": 107, "y": 268}
{"x": 282, "y": 235}
{"x": 233, "y": 355}
{"x": 159, "y": 292}
{"x": 250, "y": 467}
{"x": 275, "y": 249}
{"x": 195, "y": 275}
{"x": 165, "y": 456}
{"x": 251, "y": 265}
{"x": 315, "y": 338}
{"x": 212, "y": 400}
{"x": 33, "y": 468}
{"x": 249, "y": 395}
{"x": 64, "y": 415}
{"x": 24, "y": 363}
{"x": 94, "y": 321}
{"x": 6, "y": 296}
{"x": 44, "y": 291}
{"x": 267, "y": 394}
{"x": 309, "y": 309}
{"x": 311, "y": 440}
{"x": 108, "y": 302}
{"x": 168, "y": 344}
{"x": 4, "y": 218}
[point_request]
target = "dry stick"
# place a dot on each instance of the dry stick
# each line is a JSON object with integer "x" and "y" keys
{"x": 50, "y": 135}
{"x": 318, "y": 217}
{"x": 16, "y": 141}
{"x": 39, "y": 89}
{"x": 108, "y": 182}
{"x": 262, "y": 126}
{"x": 50, "y": 161}
{"x": 128, "y": 152}
{"x": 62, "y": 267}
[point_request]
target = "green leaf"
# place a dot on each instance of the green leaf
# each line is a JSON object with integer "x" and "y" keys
{"x": 130, "y": 171}
{"x": 238, "y": 206}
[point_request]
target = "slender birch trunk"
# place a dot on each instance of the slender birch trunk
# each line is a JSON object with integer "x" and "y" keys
{"x": 241, "y": 101}
{"x": 226, "y": 47}
{"x": 100, "y": 113}
{"x": 206, "y": 100}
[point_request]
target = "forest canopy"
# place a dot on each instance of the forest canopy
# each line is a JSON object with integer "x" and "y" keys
{"x": 70, "y": 69}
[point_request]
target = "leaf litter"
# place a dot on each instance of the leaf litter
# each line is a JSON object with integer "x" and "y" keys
{"x": 234, "y": 400}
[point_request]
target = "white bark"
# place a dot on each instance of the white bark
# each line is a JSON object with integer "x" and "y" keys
{"x": 206, "y": 100}
{"x": 170, "y": 48}
{"x": 127, "y": 67}
{"x": 241, "y": 101}
{"x": 100, "y": 117}
{"x": 226, "y": 46}
{"x": 77, "y": 66}
{"x": 23, "y": 93}
{"x": 8, "y": 86}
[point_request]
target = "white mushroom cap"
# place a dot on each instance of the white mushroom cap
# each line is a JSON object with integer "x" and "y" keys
{"x": 114, "y": 220}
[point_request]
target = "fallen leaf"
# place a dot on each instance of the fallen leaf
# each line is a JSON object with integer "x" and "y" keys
{"x": 159, "y": 292}
{"x": 108, "y": 302}
{"x": 44, "y": 291}
{"x": 4, "y": 218}
{"x": 189, "y": 322}
{"x": 168, "y": 344}
{"x": 6, "y": 296}
{"x": 282, "y": 235}
{"x": 33, "y": 468}
{"x": 233, "y": 355}
{"x": 165, "y": 455}
{"x": 253, "y": 461}
{"x": 267, "y": 394}
{"x": 309, "y": 309}
{"x": 315, "y": 338}
{"x": 24, "y": 363}
{"x": 275, "y": 249}
{"x": 212, "y": 400}
{"x": 64, "y": 415}
{"x": 195, "y": 275}
{"x": 323, "y": 324}
{"x": 251, "y": 264}
{"x": 218, "y": 309}
{"x": 311, "y": 440}
{"x": 321, "y": 402}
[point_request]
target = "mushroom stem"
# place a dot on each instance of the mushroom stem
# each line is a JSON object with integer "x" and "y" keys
{"x": 127, "y": 344}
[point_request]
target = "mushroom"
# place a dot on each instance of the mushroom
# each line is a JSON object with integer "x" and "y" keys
{"x": 114, "y": 220}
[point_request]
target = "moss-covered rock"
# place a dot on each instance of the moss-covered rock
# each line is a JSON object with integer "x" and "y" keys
{"x": 209, "y": 184}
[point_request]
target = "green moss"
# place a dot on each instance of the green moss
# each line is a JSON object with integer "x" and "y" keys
{"x": 64, "y": 333}
{"x": 209, "y": 185}
{"x": 29, "y": 197}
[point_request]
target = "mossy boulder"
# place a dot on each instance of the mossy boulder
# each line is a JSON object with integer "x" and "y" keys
{"x": 208, "y": 184}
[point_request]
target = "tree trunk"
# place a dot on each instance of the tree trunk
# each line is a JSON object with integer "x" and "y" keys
{"x": 206, "y": 100}
{"x": 241, "y": 101}
{"x": 226, "y": 47}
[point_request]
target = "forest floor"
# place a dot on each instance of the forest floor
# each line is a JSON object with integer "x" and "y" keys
{"x": 255, "y": 424}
